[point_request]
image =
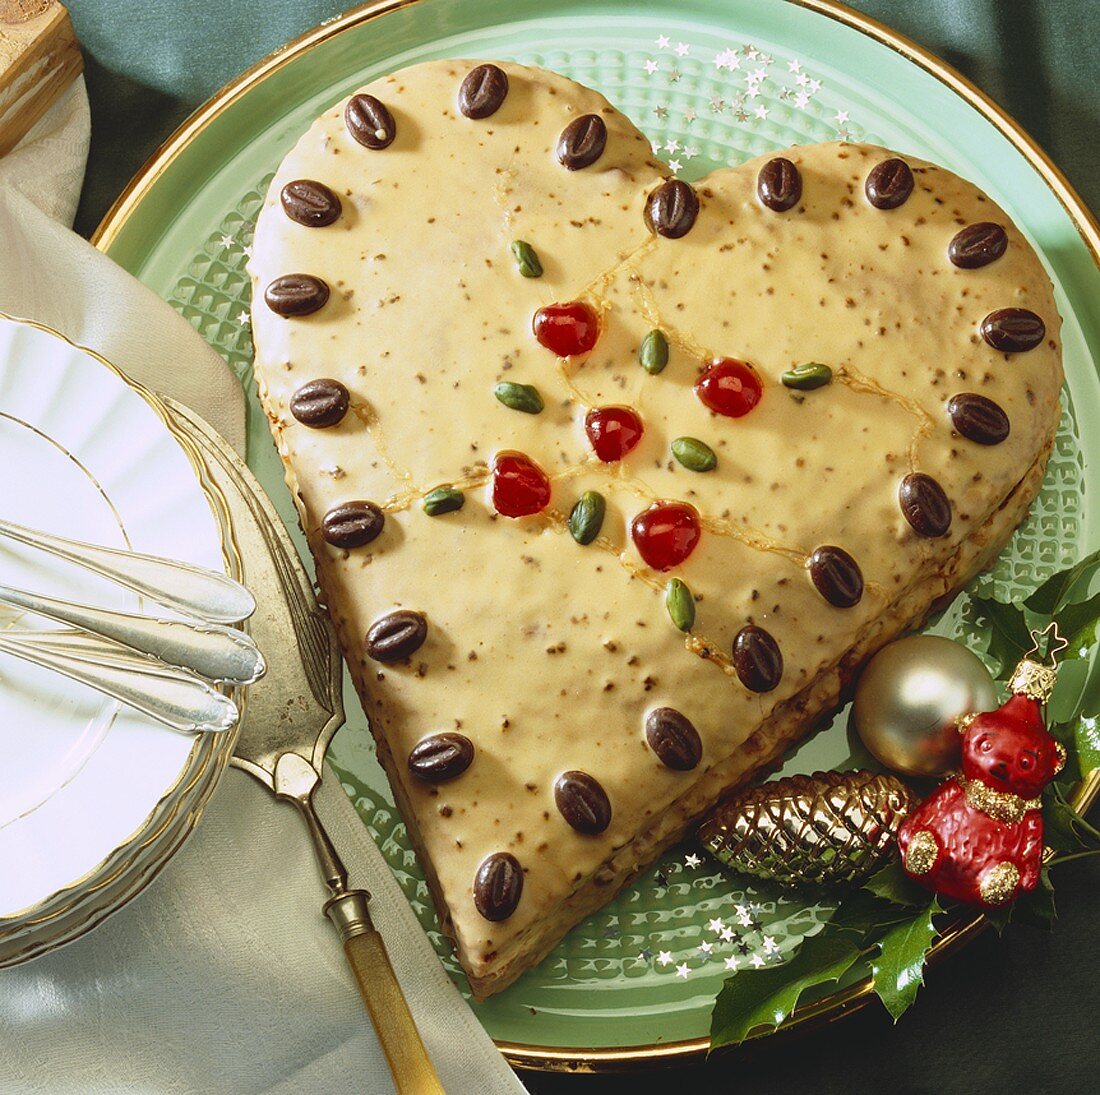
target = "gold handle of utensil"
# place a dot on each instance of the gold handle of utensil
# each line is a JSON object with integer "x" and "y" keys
{"x": 413, "y": 1072}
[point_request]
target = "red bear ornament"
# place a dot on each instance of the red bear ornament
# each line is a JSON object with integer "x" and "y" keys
{"x": 978, "y": 838}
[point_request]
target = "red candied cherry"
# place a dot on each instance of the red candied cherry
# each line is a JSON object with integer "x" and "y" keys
{"x": 666, "y": 533}
{"x": 613, "y": 431}
{"x": 567, "y": 329}
{"x": 520, "y": 487}
{"x": 729, "y": 387}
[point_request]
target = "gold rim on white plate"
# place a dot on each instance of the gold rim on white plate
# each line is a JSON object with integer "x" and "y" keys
{"x": 36, "y": 929}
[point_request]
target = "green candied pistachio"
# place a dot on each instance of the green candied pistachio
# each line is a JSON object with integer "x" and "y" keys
{"x": 443, "y": 500}
{"x": 680, "y": 604}
{"x": 807, "y": 377}
{"x": 653, "y": 353}
{"x": 527, "y": 259}
{"x": 694, "y": 454}
{"x": 519, "y": 397}
{"x": 586, "y": 517}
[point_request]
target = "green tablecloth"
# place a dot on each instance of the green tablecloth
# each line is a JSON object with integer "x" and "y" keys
{"x": 1010, "y": 1015}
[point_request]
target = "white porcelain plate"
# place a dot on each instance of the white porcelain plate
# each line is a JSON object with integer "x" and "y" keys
{"x": 84, "y": 455}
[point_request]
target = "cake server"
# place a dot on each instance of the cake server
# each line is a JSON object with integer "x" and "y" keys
{"x": 290, "y": 718}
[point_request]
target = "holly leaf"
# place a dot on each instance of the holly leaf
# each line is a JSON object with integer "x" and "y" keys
{"x": 899, "y": 967}
{"x": 1077, "y": 624}
{"x": 1064, "y": 829}
{"x": 1036, "y": 908}
{"x": 765, "y": 997}
{"x": 1007, "y": 636}
{"x": 998, "y": 919}
{"x": 864, "y": 914}
{"x": 894, "y": 885}
{"x": 1060, "y": 589}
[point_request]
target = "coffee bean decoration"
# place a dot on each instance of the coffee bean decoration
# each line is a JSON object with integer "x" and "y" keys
{"x": 352, "y": 524}
{"x": 836, "y": 575}
{"x": 924, "y": 505}
{"x": 582, "y": 142}
{"x": 483, "y": 91}
{"x": 889, "y": 184}
{"x": 673, "y": 738}
{"x": 757, "y": 659}
{"x": 308, "y": 202}
{"x": 441, "y": 757}
{"x": 498, "y": 886}
{"x": 978, "y": 419}
{"x": 779, "y": 185}
{"x": 977, "y": 245}
{"x": 582, "y": 802}
{"x": 320, "y": 403}
{"x": 1013, "y": 330}
{"x": 296, "y": 295}
{"x": 671, "y": 209}
{"x": 370, "y": 122}
{"x": 396, "y": 636}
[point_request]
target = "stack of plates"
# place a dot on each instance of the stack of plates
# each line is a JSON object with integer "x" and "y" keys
{"x": 94, "y": 797}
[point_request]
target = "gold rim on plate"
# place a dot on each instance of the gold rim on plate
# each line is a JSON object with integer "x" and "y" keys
{"x": 209, "y": 757}
{"x": 845, "y": 1001}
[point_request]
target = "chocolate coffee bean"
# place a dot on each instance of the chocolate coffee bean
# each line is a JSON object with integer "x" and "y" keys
{"x": 308, "y": 202}
{"x": 671, "y": 209}
{"x": 396, "y": 636}
{"x": 924, "y": 505}
{"x": 582, "y": 142}
{"x": 889, "y": 184}
{"x": 673, "y": 738}
{"x": 498, "y": 886}
{"x": 352, "y": 524}
{"x": 582, "y": 802}
{"x": 1013, "y": 330}
{"x": 369, "y": 121}
{"x": 296, "y": 295}
{"x": 757, "y": 659}
{"x": 320, "y": 403}
{"x": 779, "y": 185}
{"x": 441, "y": 757}
{"x": 483, "y": 91}
{"x": 978, "y": 419}
{"x": 977, "y": 245}
{"x": 837, "y": 576}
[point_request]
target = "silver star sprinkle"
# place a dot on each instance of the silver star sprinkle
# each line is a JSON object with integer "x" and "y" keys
{"x": 841, "y": 117}
{"x": 689, "y": 116}
{"x": 716, "y": 106}
{"x": 690, "y": 151}
{"x": 226, "y": 241}
{"x": 682, "y": 970}
{"x": 651, "y": 67}
{"x": 242, "y": 319}
{"x": 715, "y": 925}
{"x": 706, "y": 947}
{"x": 682, "y": 49}
{"x": 761, "y": 112}
{"x": 665, "y": 958}
{"x": 692, "y": 860}
{"x": 674, "y": 76}
{"x": 731, "y": 963}
{"x": 741, "y": 115}
{"x": 757, "y": 961}
{"x": 726, "y": 934}
{"x": 675, "y": 165}
{"x": 662, "y": 41}
{"x": 660, "y": 112}
{"x": 794, "y": 66}
{"x": 770, "y": 945}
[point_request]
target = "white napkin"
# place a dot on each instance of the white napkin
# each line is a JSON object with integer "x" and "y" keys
{"x": 223, "y": 976}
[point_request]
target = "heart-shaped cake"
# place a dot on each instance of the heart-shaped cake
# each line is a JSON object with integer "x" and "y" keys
{"x": 613, "y": 481}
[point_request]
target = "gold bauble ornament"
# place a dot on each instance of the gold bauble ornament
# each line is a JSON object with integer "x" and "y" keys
{"x": 826, "y": 828}
{"x": 910, "y": 697}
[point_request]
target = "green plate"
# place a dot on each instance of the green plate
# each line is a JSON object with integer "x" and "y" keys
{"x": 712, "y": 82}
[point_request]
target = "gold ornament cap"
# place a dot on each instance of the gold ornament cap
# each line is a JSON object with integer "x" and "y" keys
{"x": 1036, "y": 679}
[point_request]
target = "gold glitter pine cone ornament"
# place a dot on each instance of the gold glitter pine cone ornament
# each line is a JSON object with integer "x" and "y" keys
{"x": 831, "y": 827}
